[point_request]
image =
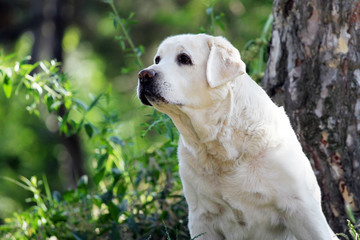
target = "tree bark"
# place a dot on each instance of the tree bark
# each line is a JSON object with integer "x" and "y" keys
{"x": 313, "y": 70}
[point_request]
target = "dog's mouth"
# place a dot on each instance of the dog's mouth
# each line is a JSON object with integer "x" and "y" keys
{"x": 149, "y": 96}
{"x": 143, "y": 99}
{"x": 148, "y": 91}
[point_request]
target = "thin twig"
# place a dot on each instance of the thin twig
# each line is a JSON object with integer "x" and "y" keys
{"x": 126, "y": 34}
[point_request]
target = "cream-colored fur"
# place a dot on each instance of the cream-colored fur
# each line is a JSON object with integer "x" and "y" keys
{"x": 243, "y": 170}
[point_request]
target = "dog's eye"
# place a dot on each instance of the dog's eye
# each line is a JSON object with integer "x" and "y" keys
{"x": 157, "y": 60}
{"x": 184, "y": 59}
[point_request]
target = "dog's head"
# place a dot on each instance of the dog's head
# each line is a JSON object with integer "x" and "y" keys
{"x": 186, "y": 69}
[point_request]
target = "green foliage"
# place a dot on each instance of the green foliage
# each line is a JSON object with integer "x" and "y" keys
{"x": 124, "y": 38}
{"x": 216, "y": 20}
{"x": 65, "y": 216}
{"x": 163, "y": 126}
{"x": 125, "y": 201}
{"x": 128, "y": 204}
{"x": 354, "y": 231}
{"x": 255, "y": 52}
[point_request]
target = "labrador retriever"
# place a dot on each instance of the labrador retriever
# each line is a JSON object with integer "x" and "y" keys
{"x": 243, "y": 171}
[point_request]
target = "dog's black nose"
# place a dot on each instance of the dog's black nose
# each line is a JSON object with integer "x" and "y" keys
{"x": 146, "y": 75}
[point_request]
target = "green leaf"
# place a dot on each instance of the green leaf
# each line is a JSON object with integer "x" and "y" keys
{"x": 17, "y": 183}
{"x": 68, "y": 195}
{"x": 7, "y": 86}
{"x": 99, "y": 176}
{"x": 32, "y": 109}
{"x": 209, "y": 10}
{"x": 116, "y": 172}
{"x": 8, "y": 57}
{"x": 94, "y": 102}
{"x": 115, "y": 234}
{"x": 89, "y": 129}
{"x": 83, "y": 181}
{"x": 120, "y": 38}
{"x": 169, "y": 131}
{"x": 58, "y": 217}
{"x": 26, "y": 60}
{"x": 74, "y": 126}
{"x": 27, "y": 68}
{"x": 352, "y": 230}
{"x": 56, "y": 195}
{"x": 63, "y": 126}
{"x": 55, "y": 106}
{"x": 350, "y": 213}
{"x": 141, "y": 49}
{"x": 102, "y": 160}
{"x": 67, "y": 102}
{"x": 107, "y": 197}
{"x": 49, "y": 100}
{"x": 126, "y": 70}
{"x": 131, "y": 22}
{"x": 81, "y": 104}
{"x": 113, "y": 210}
{"x": 47, "y": 188}
{"x": 117, "y": 140}
{"x": 122, "y": 45}
{"x": 131, "y": 15}
{"x": 221, "y": 25}
{"x": 116, "y": 21}
{"x": 108, "y": 94}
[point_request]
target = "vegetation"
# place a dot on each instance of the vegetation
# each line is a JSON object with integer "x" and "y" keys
{"x": 133, "y": 189}
{"x": 126, "y": 199}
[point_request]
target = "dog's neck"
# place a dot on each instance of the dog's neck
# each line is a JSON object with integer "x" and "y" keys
{"x": 201, "y": 125}
{"x": 240, "y": 114}
{"x": 232, "y": 129}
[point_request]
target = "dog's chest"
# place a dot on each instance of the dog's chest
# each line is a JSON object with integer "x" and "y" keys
{"x": 238, "y": 200}
{"x": 230, "y": 205}
{"x": 241, "y": 200}
{"x": 242, "y": 190}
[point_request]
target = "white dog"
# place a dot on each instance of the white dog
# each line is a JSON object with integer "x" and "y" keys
{"x": 243, "y": 170}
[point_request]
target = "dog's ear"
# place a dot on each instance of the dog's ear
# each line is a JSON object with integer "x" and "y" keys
{"x": 224, "y": 62}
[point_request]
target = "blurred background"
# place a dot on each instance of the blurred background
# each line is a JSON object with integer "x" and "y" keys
{"x": 81, "y": 35}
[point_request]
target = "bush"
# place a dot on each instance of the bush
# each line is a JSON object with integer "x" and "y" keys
{"x": 132, "y": 195}
{"x": 124, "y": 199}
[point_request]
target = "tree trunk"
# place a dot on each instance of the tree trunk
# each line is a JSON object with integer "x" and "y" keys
{"x": 313, "y": 70}
{"x": 48, "y": 35}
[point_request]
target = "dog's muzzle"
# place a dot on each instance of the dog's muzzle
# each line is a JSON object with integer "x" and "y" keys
{"x": 146, "y": 88}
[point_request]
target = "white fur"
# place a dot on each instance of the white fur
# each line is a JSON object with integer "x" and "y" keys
{"x": 243, "y": 170}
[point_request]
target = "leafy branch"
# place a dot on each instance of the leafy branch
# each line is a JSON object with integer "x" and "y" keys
{"x": 124, "y": 37}
{"x": 215, "y": 20}
{"x": 255, "y": 52}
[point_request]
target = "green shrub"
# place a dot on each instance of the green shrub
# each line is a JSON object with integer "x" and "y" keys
{"x": 131, "y": 194}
